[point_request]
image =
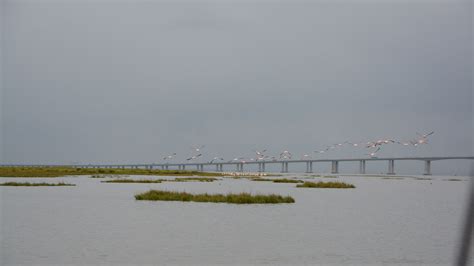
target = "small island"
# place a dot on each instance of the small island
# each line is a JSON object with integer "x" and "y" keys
{"x": 241, "y": 198}
{"x": 190, "y": 179}
{"x": 74, "y": 171}
{"x": 279, "y": 180}
{"x": 28, "y": 184}
{"x": 325, "y": 185}
{"x": 146, "y": 181}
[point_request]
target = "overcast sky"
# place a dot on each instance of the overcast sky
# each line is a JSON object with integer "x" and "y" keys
{"x": 105, "y": 81}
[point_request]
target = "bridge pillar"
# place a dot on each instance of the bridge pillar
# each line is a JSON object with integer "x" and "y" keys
{"x": 263, "y": 167}
{"x": 284, "y": 167}
{"x": 217, "y": 167}
{"x": 166, "y": 167}
{"x": 221, "y": 167}
{"x": 202, "y": 168}
{"x": 309, "y": 167}
{"x": 391, "y": 167}
{"x": 362, "y": 167}
{"x": 427, "y": 167}
{"x": 335, "y": 167}
{"x": 162, "y": 167}
{"x": 183, "y": 167}
{"x": 241, "y": 167}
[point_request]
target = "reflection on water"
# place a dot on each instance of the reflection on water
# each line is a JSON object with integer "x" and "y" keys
{"x": 383, "y": 221}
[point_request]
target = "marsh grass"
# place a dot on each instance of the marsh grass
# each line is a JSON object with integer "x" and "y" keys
{"x": 325, "y": 185}
{"x": 184, "y": 179}
{"x": 191, "y": 179}
{"x": 98, "y": 176}
{"x": 258, "y": 179}
{"x": 108, "y": 176}
{"x": 423, "y": 178}
{"x": 285, "y": 180}
{"x": 242, "y": 198}
{"x": 28, "y": 184}
{"x": 280, "y": 180}
{"x": 243, "y": 177}
{"x": 324, "y": 176}
{"x": 453, "y": 179}
{"x": 132, "y": 181}
{"x": 72, "y": 171}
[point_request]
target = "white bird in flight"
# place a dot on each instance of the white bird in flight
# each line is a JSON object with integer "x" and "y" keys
{"x": 423, "y": 137}
{"x": 261, "y": 155}
{"x": 374, "y": 154}
{"x": 193, "y": 157}
{"x": 216, "y": 159}
{"x": 305, "y": 157}
{"x": 169, "y": 157}
{"x": 285, "y": 155}
{"x": 197, "y": 148}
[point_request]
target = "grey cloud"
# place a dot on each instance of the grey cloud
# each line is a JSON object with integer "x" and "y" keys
{"x": 123, "y": 82}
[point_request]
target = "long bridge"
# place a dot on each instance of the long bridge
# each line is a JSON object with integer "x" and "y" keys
{"x": 239, "y": 165}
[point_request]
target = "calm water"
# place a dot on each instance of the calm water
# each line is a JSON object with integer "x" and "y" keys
{"x": 381, "y": 222}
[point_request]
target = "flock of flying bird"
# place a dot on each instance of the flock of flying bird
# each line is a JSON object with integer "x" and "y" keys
{"x": 376, "y": 145}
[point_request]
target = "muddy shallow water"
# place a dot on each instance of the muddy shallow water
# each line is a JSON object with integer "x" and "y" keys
{"x": 380, "y": 222}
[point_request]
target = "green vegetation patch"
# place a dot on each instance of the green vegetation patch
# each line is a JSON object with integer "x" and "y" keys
{"x": 242, "y": 177}
{"x": 28, "y": 184}
{"x": 423, "y": 178}
{"x": 132, "y": 181}
{"x": 108, "y": 176}
{"x": 259, "y": 179}
{"x": 68, "y": 171}
{"x": 280, "y": 180}
{"x": 198, "y": 179}
{"x": 285, "y": 180}
{"x": 242, "y": 198}
{"x": 325, "y": 185}
{"x": 325, "y": 176}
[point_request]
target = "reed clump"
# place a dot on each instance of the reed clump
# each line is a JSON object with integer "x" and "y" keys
{"x": 285, "y": 180}
{"x": 241, "y": 198}
{"x": 452, "y": 179}
{"x": 28, "y": 184}
{"x": 190, "y": 179}
{"x": 259, "y": 179}
{"x": 325, "y": 185}
{"x": 324, "y": 176}
{"x": 72, "y": 171}
{"x": 147, "y": 181}
{"x": 108, "y": 176}
{"x": 423, "y": 178}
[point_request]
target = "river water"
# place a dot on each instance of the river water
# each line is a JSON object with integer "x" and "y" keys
{"x": 380, "y": 222}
